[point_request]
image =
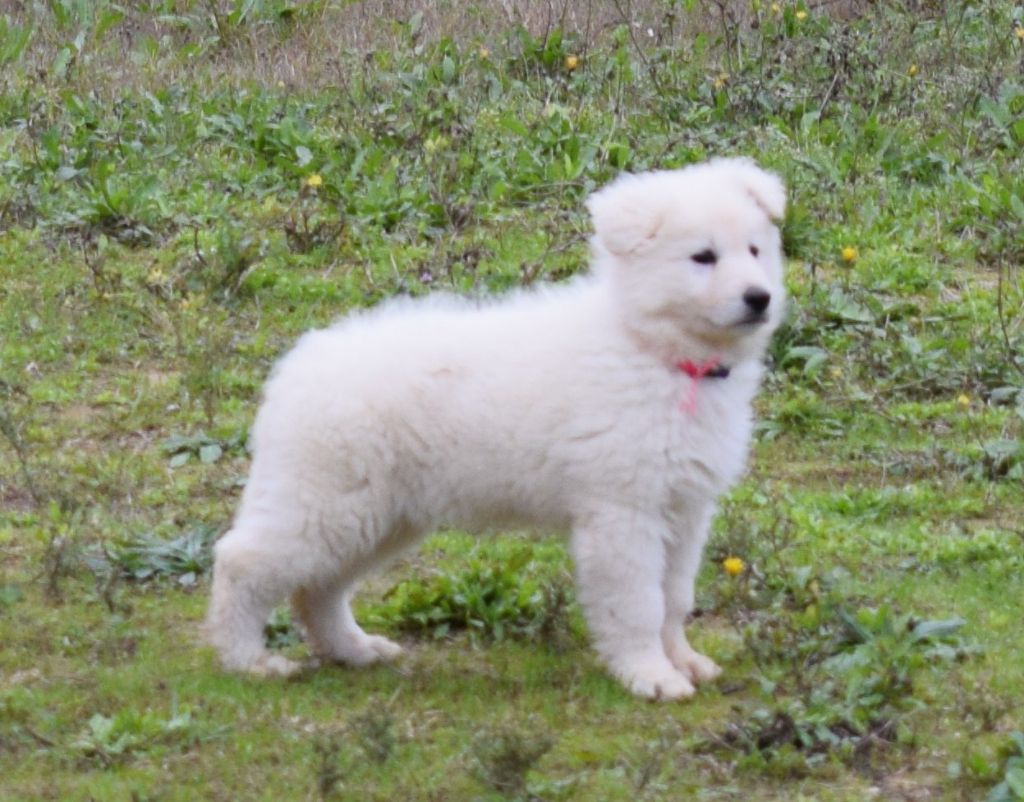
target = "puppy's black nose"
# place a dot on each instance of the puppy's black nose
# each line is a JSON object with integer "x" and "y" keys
{"x": 757, "y": 299}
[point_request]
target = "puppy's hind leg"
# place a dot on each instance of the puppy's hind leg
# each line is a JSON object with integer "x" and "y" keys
{"x": 333, "y": 632}
{"x": 249, "y": 579}
{"x": 325, "y": 608}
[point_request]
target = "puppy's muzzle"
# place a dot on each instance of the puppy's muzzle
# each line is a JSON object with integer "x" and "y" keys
{"x": 756, "y": 301}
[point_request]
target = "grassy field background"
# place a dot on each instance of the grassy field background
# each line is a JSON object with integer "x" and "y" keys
{"x": 186, "y": 186}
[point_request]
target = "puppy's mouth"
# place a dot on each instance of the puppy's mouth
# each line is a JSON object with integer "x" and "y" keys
{"x": 752, "y": 320}
{"x": 721, "y": 332}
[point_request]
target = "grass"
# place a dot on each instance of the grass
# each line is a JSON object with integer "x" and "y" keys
{"x": 187, "y": 186}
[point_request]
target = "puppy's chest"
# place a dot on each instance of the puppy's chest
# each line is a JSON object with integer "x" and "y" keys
{"x": 706, "y": 448}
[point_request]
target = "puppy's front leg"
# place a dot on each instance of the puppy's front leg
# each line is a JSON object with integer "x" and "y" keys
{"x": 620, "y": 565}
{"x": 683, "y": 561}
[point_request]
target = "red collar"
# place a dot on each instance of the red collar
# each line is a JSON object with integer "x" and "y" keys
{"x": 710, "y": 369}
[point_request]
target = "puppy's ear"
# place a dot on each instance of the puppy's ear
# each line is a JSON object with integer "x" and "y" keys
{"x": 625, "y": 222}
{"x": 765, "y": 188}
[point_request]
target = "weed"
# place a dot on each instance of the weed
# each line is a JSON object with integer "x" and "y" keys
{"x": 236, "y": 249}
{"x": 13, "y": 40}
{"x": 648, "y": 763}
{"x": 147, "y": 557}
{"x": 14, "y": 440}
{"x": 1011, "y": 788}
{"x": 513, "y": 598}
{"x": 280, "y": 630}
{"x": 330, "y": 773}
{"x": 505, "y": 756}
{"x": 63, "y": 551}
{"x": 10, "y": 595}
{"x": 854, "y": 688}
{"x": 109, "y": 740}
{"x": 375, "y": 730}
{"x": 124, "y": 210}
{"x": 841, "y": 677}
{"x": 308, "y": 225}
{"x": 207, "y": 450}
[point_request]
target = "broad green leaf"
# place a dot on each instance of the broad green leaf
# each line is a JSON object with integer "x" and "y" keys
{"x": 1015, "y": 781}
{"x": 179, "y": 459}
{"x": 415, "y": 24}
{"x": 210, "y": 453}
{"x": 1015, "y": 202}
{"x": 937, "y": 629}
{"x": 60, "y": 63}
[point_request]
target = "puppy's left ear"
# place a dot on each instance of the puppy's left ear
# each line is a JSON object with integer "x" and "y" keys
{"x": 765, "y": 188}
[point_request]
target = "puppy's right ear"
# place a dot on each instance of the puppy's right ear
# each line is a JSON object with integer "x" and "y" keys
{"x": 624, "y": 222}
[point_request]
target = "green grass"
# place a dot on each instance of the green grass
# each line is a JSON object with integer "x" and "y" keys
{"x": 162, "y": 242}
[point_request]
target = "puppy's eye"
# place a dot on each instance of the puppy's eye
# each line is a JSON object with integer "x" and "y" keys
{"x": 705, "y": 257}
{"x": 754, "y": 250}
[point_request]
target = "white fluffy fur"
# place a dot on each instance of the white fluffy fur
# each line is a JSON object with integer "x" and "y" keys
{"x": 555, "y": 408}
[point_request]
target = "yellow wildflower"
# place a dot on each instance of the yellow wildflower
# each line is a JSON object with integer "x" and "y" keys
{"x": 435, "y": 143}
{"x": 963, "y": 400}
{"x": 1019, "y": 32}
{"x": 801, "y": 15}
{"x": 314, "y": 181}
{"x": 572, "y": 62}
{"x": 912, "y": 71}
{"x": 733, "y": 566}
{"x": 776, "y": 8}
{"x": 721, "y": 80}
{"x": 849, "y": 254}
{"x": 835, "y": 372}
{"x": 484, "y": 53}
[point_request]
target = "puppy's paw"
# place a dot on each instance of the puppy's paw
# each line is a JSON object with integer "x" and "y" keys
{"x": 653, "y": 678}
{"x": 384, "y": 650}
{"x": 365, "y": 650}
{"x": 274, "y": 665}
{"x": 696, "y": 666}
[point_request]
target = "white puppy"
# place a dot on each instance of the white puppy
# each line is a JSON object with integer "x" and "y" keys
{"x": 617, "y": 406}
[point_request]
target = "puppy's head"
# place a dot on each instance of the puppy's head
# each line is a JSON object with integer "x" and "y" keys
{"x": 694, "y": 255}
